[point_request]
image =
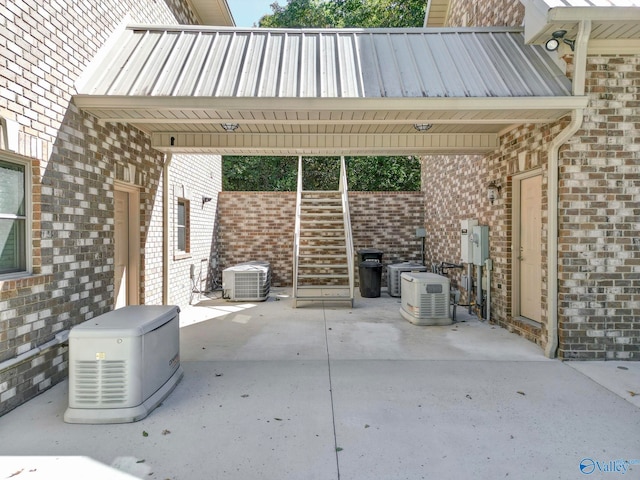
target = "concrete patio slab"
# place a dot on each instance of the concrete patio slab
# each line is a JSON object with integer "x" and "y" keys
{"x": 475, "y": 419}
{"x": 325, "y": 391}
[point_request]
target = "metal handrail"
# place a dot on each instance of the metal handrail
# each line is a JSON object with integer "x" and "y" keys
{"x": 296, "y": 235}
{"x": 344, "y": 192}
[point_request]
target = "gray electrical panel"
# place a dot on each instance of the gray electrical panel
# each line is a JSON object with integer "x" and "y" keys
{"x": 479, "y": 244}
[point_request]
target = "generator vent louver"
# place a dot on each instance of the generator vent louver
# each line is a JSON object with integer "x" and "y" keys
{"x": 100, "y": 383}
{"x": 249, "y": 281}
{"x": 425, "y": 298}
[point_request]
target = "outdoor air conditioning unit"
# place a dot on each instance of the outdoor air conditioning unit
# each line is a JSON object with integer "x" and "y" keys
{"x": 123, "y": 364}
{"x": 393, "y": 275}
{"x": 249, "y": 281}
{"x": 425, "y": 298}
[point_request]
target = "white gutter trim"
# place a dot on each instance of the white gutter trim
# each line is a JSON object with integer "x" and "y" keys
{"x": 601, "y": 14}
{"x": 165, "y": 228}
{"x": 577, "y": 116}
{"x": 277, "y": 104}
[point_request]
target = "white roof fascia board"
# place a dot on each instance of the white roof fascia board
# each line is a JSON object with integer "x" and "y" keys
{"x": 614, "y": 47}
{"x": 206, "y": 12}
{"x": 257, "y": 144}
{"x": 118, "y": 39}
{"x": 535, "y": 19}
{"x": 602, "y": 14}
{"x": 325, "y": 104}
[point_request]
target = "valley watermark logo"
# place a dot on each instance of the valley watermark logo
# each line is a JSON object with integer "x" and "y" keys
{"x": 589, "y": 466}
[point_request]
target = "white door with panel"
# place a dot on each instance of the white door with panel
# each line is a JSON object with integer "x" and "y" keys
{"x": 530, "y": 257}
{"x": 126, "y": 246}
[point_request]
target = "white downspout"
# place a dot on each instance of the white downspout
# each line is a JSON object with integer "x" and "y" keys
{"x": 577, "y": 116}
{"x": 165, "y": 228}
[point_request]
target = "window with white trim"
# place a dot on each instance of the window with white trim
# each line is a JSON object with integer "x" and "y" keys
{"x": 182, "y": 226}
{"x": 15, "y": 194}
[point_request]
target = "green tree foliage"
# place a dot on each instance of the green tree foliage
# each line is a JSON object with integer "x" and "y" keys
{"x": 346, "y": 13}
{"x": 365, "y": 173}
{"x": 321, "y": 173}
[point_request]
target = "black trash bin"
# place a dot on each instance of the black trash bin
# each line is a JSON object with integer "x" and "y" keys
{"x": 369, "y": 254}
{"x": 370, "y": 278}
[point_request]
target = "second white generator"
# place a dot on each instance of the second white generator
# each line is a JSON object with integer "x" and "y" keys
{"x": 425, "y": 298}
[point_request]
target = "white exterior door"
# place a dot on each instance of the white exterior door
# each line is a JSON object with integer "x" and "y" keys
{"x": 121, "y": 246}
{"x": 126, "y": 246}
{"x": 530, "y": 255}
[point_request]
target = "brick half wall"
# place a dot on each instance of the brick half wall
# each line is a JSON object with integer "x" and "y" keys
{"x": 260, "y": 226}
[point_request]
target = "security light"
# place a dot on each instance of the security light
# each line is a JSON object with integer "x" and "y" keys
{"x": 554, "y": 42}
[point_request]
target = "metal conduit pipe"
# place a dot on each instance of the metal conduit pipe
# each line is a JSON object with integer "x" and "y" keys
{"x": 59, "y": 339}
{"x": 479, "y": 303}
{"x": 469, "y": 288}
{"x": 488, "y": 263}
{"x": 577, "y": 116}
{"x": 165, "y": 229}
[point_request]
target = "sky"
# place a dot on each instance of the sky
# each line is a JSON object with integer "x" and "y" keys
{"x": 248, "y": 12}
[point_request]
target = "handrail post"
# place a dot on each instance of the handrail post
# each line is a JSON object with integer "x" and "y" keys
{"x": 344, "y": 192}
{"x": 296, "y": 237}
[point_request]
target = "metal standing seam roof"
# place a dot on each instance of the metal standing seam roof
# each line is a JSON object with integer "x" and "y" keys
{"x": 286, "y": 63}
{"x": 329, "y": 91}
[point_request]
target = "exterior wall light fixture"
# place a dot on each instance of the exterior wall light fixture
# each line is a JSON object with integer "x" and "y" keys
{"x": 493, "y": 191}
{"x": 556, "y": 37}
{"x": 422, "y": 127}
{"x": 229, "y": 127}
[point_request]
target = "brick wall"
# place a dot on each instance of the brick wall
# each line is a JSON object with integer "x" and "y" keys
{"x": 599, "y": 201}
{"x": 44, "y": 47}
{"x": 456, "y": 189}
{"x": 260, "y": 226}
{"x": 491, "y": 13}
{"x": 256, "y": 226}
{"x": 599, "y": 218}
{"x": 194, "y": 177}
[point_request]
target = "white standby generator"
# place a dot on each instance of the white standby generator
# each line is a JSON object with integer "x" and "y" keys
{"x": 123, "y": 364}
{"x": 250, "y": 281}
{"x": 425, "y": 298}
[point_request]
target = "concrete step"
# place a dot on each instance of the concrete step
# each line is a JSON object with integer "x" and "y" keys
{"x": 324, "y": 275}
{"x": 323, "y": 265}
{"x": 321, "y": 215}
{"x": 323, "y": 293}
{"x": 323, "y": 238}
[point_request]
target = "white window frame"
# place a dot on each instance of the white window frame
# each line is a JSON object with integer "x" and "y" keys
{"x": 28, "y": 216}
{"x": 186, "y": 252}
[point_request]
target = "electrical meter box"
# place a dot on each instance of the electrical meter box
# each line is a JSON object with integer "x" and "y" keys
{"x": 479, "y": 244}
{"x": 465, "y": 244}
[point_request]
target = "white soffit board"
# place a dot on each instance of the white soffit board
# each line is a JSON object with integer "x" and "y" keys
{"x": 213, "y": 12}
{"x": 615, "y": 20}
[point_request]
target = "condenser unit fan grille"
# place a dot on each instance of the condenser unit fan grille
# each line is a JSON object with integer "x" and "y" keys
{"x": 395, "y": 270}
{"x": 247, "y": 281}
{"x": 250, "y": 284}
